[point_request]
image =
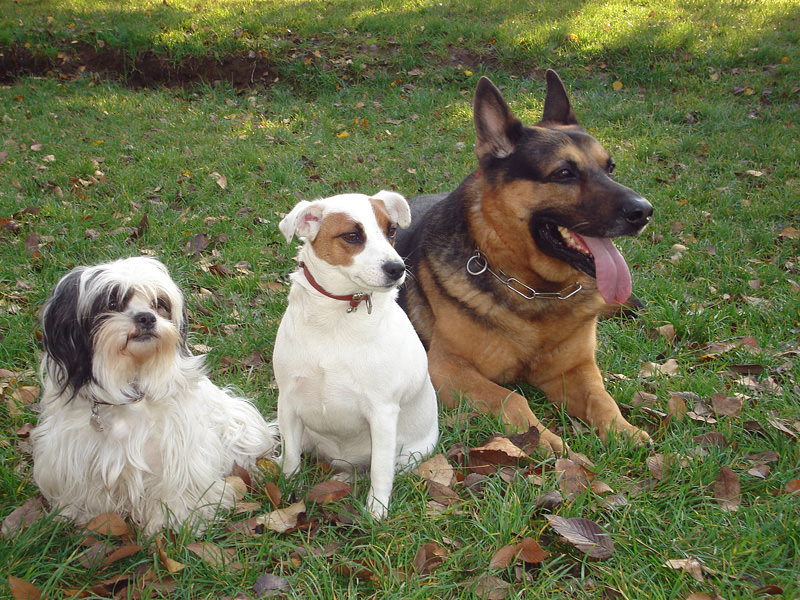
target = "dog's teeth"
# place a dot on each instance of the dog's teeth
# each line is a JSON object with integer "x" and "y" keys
{"x": 571, "y": 241}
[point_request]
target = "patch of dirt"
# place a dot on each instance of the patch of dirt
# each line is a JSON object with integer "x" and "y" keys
{"x": 147, "y": 69}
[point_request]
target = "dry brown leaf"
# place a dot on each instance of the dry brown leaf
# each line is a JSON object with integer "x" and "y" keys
{"x": 651, "y": 369}
{"x": 782, "y": 426}
{"x": 489, "y": 587}
{"x": 436, "y": 469}
{"x": 26, "y": 394}
{"x": 329, "y": 491}
{"x": 573, "y": 478}
{"x": 530, "y": 552}
{"x": 21, "y": 517}
{"x": 641, "y": 398}
{"x": 503, "y": 557}
{"x": 268, "y": 584}
{"x": 725, "y": 405}
{"x": 273, "y": 492}
{"x": 121, "y": 552}
{"x": 109, "y": 524}
{"x": 793, "y": 487}
{"x": 527, "y": 441}
{"x": 585, "y": 535}
{"x": 760, "y": 471}
{"x": 691, "y": 565}
{"x": 711, "y": 439}
{"x": 498, "y": 451}
{"x": 221, "y": 180}
{"x": 726, "y": 489}
{"x": 23, "y": 590}
{"x": 676, "y": 406}
{"x": 282, "y": 519}
{"x": 442, "y": 494}
{"x": 219, "y": 558}
{"x": 172, "y": 566}
{"x": 428, "y": 557}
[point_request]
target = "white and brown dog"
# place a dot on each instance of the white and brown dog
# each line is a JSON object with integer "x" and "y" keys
{"x": 130, "y": 422}
{"x": 352, "y": 374}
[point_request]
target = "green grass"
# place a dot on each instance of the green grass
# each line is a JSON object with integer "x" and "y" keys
{"x": 709, "y": 99}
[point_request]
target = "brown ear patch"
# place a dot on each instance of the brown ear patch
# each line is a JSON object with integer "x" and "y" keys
{"x": 331, "y": 243}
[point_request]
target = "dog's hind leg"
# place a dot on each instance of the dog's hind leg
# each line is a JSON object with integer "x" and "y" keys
{"x": 453, "y": 376}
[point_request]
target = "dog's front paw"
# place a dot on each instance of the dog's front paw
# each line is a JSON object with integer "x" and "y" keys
{"x": 377, "y": 510}
{"x": 638, "y": 436}
{"x": 550, "y": 443}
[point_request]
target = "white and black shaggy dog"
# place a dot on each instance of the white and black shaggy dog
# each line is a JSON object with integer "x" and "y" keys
{"x": 130, "y": 423}
{"x": 352, "y": 374}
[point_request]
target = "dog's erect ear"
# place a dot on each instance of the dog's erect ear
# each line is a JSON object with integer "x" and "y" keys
{"x": 497, "y": 129}
{"x": 303, "y": 221}
{"x": 396, "y": 206}
{"x": 557, "y": 107}
{"x": 67, "y": 335}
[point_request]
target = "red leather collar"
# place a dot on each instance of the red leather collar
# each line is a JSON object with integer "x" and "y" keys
{"x": 353, "y": 299}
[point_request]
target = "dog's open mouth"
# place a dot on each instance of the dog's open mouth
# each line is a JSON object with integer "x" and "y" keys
{"x": 597, "y": 257}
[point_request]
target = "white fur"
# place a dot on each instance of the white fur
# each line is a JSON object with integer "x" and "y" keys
{"x": 353, "y": 387}
{"x": 169, "y": 435}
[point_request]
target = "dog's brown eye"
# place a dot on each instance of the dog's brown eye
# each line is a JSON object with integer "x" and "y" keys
{"x": 391, "y": 231}
{"x": 562, "y": 175}
{"x": 352, "y": 237}
{"x": 162, "y": 307}
{"x": 113, "y": 304}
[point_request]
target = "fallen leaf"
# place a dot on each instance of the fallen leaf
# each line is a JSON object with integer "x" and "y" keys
{"x": 442, "y": 494}
{"x": 329, "y": 491}
{"x": 436, "y": 469}
{"x": 282, "y": 519}
{"x": 530, "y": 552}
{"x": 172, "y": 566}
{"x": 573, "y": 478}
{"x": 23, "y": 590}
{"x": 489, "y": 587}
{"x": 793, "y": 487}
{"x": 22, "y": 516}
{"x": 268, "y": 584}
{"x": 499, "y": 451}
{"x": 219, "y": 558}
{"x": 691, "y": 565}
{"x": 428, "y": 557}
{"x": 650, "y": 369}
{"x": 676, "y": 406}
{"x": 273, "y": 492}
{"x": 121, "y": 552}
{"x": 726, "y": 489}
{"x": 503, "y": 557}
{"x": 584, "y": 534}
{"x": 760, "y": 471}
{"x": 221, "y": 180}
{"x": 617, "y": 86}
{"x": 109, "y": 524}
{"x": 725, "y": 405}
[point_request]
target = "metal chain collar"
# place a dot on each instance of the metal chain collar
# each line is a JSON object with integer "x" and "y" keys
{"x": 477, "y": 265}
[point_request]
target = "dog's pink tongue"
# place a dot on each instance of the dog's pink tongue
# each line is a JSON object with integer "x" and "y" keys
{"x": 613, "y": 275}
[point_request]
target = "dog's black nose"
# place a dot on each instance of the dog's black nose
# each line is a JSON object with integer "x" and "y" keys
{"x": 145, "y": 320}
{"x": 394, "y": 269}
{"x": 637, "y": 211}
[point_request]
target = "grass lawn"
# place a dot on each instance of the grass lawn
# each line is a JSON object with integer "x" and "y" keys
{"x": 185, "y": 129}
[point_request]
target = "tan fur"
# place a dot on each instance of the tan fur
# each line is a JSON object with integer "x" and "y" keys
{"x": 328, "y": 243}
{"x": 481, "y": 336}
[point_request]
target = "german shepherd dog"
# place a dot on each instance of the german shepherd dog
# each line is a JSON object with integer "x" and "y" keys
{"x": 510, "y": 271}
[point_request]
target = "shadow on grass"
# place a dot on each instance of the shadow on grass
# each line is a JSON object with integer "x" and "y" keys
{"x": 256, "y": 43}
